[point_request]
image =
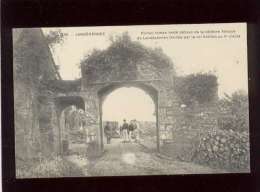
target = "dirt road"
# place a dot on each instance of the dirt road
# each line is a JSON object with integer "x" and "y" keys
{"x": 122, "y": 159}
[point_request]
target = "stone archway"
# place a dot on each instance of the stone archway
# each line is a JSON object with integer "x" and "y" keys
{"x": 106, "y": 90}
{"x": 129, "y": 63}
{"x": 62, "y": 102}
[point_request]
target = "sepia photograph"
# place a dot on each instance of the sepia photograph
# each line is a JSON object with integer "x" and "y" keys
{"x": 131, "y": 100}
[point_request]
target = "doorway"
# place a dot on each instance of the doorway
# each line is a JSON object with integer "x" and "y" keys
{"x": 129, "y": 102}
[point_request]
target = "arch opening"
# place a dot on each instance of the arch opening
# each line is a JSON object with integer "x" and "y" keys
{"x": 71, "y": 122}
{"x": 131, "y": 102}
{"x": 72, "y": 129}
{"x": 64, "y": 101}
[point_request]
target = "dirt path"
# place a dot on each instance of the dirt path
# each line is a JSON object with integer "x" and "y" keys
{"x": 121, "y": 159}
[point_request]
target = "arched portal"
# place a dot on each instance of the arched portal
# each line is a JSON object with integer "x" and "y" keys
{"x": 64, "y": 104}
{"x": 129, "y": 63}
{"x": 65, "y": 101}
{"x": 147, "y": 91}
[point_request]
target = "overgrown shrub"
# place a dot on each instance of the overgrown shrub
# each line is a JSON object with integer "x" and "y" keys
{"x": 32, "y": 59}
{"x": 55, "y": 37}
{"x": 49, "y": 167}
{"x": 234, "y": 112}
{"x": 223, "y": 149}
{"x": 121, "y": 51}
{"x": 200, "y": 87}
{"x": 147, "y": 129}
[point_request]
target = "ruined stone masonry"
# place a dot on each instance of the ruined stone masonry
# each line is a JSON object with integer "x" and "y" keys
{"x": 41, "y": 95}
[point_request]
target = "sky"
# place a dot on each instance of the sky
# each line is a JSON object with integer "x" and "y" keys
{"x": 128, "y": 103}
{"x": 225, "y": 57}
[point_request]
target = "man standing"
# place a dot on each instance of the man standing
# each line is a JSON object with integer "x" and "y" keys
{"x": 121, "y": 131}
{"x": 107, "y": 131}
{"x": 125, "y": 130}
{"x": 131, "y": 130}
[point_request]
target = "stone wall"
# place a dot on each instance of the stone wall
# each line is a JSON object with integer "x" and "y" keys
{"x": 35, "y": 114}
{"x": 26, "y": 127}
{"x": 180, "y": 129}
{"x": 128, "y": 63}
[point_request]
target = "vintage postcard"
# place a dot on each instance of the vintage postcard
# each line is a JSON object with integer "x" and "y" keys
{"x": 131, "y": 100}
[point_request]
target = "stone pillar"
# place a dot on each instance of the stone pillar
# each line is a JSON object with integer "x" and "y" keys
{"x": 47, "y": 126}
{"x": 93, "y": 109}
{"x": 57, "y": 132}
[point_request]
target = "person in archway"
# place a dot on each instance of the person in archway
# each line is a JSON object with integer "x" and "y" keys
{"x": 131, "y": 130}
{"x": 121, "y": 131}
{"x": 125, "y": 131}
{"x": 107, "y": 130}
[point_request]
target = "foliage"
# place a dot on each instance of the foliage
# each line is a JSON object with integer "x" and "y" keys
{"x": 200, "y": 87}
{"x": 32, "y": 60}
{"x": 123, "y": 51}
{"x": 25, "y": 57}
{"x": 49, "y": 167}
{"x": 235, "y": 112}
{"x": 55, "y": 37}
{"x": 147, "y": 129}
{"x": 224, "y": 149}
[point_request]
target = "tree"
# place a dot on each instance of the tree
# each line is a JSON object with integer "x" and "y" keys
{"x": 55, "y": 37}
{"x": 236, "y": 111}
{"x": 200, "y": 87}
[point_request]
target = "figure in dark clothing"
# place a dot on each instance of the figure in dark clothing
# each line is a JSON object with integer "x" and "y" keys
{"x": 121, "y": 131}
{"x": 125, "y": 131}
{"x": 131, "y": 130}
{"x": 107, "y": 130}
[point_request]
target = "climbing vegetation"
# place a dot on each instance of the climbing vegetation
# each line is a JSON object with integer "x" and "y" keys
{"x": 235, "y": 112}
{"x": 123, "y": 56}
{"x": 200, "y": 88}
